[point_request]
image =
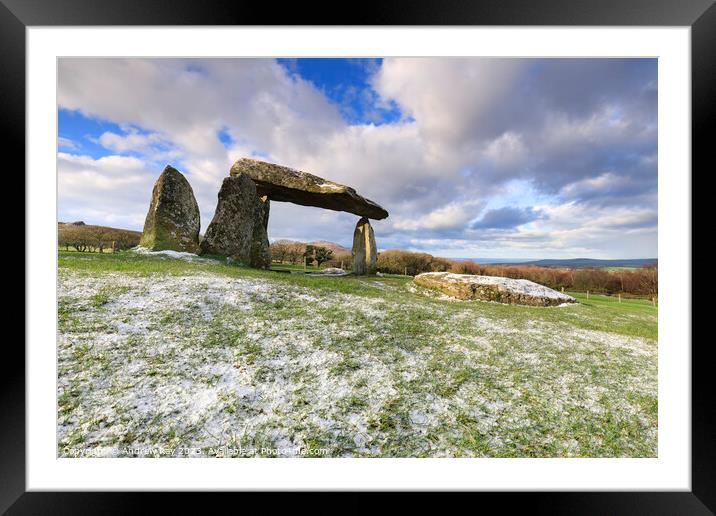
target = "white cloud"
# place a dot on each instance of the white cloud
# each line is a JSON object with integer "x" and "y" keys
{"x": 112, "y": 189}
{"x": 453, "y": 99}
{"x": 152, "y": 145}
{"x": 451, "y": 216}
{"x": 507, "y": 150}
{"x": 66, "y": 143}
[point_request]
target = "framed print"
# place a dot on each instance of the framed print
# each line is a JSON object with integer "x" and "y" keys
{"x": 419, "y": 252}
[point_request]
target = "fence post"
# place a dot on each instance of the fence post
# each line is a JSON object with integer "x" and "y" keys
{"x": 562, "y": 290}
{"x": 406, "y": 271}
{"x": 305, "y": 263}
{"x": 653, "y": 300}
{"x": 587, "y": 294}
{"x": 620, "y": 297}
{"x": 341, "y": 264}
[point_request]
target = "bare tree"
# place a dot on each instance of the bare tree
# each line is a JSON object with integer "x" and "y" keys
{"x": 98, "y": 236}
{"x": 295, "y": 251}
{"x": 649, "y": 280}
{"x": 279, "y": 250}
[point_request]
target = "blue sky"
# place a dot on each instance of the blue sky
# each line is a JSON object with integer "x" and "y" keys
{"x": 346, "y": 82}
{"x": 472, "y": 157}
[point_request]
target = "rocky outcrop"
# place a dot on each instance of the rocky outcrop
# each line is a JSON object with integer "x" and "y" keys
{"x": 280, "y": 183}
{"x": 172, "y": 222}
{"x": 492, "y": 288}
{"x": 364, "y": 249}
{"x": 238, "y": 229}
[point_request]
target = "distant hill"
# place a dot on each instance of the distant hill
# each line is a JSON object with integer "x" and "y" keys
{"x": 336, "y": 248}
{"x": 577, "y": 263}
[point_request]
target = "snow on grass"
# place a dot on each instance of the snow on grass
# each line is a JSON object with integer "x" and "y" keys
{"x": 329, "y": 271}
{"x": 155, "y": 365}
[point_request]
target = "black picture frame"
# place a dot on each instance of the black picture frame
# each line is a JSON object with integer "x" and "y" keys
{"x": 700, "y": 15}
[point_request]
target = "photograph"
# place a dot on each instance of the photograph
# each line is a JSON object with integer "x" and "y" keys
{"x": 359, "y": 257}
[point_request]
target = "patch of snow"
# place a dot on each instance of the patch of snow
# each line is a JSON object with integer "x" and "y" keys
{"x": 198, "y": 360}
{"x": 178, "y": 255}
{"x": 519, "y": 286}
{"x": 418, "y": 418}
{"x": 330, "y": 271}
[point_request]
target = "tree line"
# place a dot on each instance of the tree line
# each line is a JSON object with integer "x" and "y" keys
{"x": 290, "y": 251}
{"x": 643, "y": 281}
{"x": 82, "y": 237}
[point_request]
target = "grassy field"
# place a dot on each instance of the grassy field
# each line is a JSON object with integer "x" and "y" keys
{"x": 157, "y": 356}
{"x": 293, "y": 267}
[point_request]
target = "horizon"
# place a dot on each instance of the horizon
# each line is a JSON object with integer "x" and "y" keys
{"x": 472, "y": 156}
{"x": 478, "y": 259}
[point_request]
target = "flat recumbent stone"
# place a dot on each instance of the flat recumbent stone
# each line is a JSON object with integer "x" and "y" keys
{"x": 492, "y": 288}
{"x": 280, "y": 183}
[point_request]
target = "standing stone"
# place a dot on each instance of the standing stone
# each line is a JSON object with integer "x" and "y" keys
{"x": 364, "y": 248}
{"x": 172, "y": 222}
{"x": 231, "y": 232}
{"x": 260, "y": 250}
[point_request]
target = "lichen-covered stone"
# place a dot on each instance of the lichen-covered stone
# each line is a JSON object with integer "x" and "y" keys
{"x": 492, "y": 288}
{"x": 281, "y": 183}
{"x": 260, "y": 251}
{"x": 231, "y": 231}
{"x": 364, "y": 249}
{"x": 172, "y": 222}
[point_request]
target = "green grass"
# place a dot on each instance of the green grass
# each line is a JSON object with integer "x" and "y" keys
{"x": 634, "y": 317}
{"x": 293, "y": 267}
{"x": 633, "y": 306}
{"x": 315, "y": 356}
{"x": 142, "y": 265}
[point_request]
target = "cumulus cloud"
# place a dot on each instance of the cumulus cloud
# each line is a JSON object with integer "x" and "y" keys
{"x": 552, "y": 121}
{"x": 152, "y": 145}
{"x": 455, "y": 100}
{"x": 581, "y": 133}
{"x": 112, "y": 189}
{"x": 451, "y": 216}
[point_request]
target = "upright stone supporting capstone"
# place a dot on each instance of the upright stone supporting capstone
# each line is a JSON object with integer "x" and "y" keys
{"x": 172, "y": 221}
{"x": 364, "y": 249}
{"x": 284, "y": 184}
{"x": 260, "y": 250}
{"x": 238, "y": 222}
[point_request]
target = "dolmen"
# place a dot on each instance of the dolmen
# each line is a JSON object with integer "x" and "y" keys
{"x": 239, "y": 227}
